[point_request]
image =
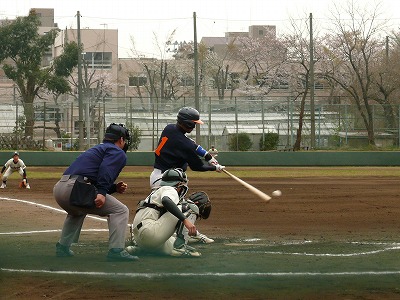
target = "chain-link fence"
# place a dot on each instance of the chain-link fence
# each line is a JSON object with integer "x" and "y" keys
{"x": 57, "y": 126}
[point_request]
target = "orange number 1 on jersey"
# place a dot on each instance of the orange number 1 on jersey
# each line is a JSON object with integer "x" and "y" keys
{"x": 164, "y": 139}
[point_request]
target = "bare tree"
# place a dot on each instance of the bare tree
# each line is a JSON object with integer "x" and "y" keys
{"x": 387, "y": 83}
{"x": 262, "y": 60}
{"x": 164, "y": 75}
{"x": 298, "y": 67}
{"x": 354, "y": 50}
{"x": 96, "y": 86}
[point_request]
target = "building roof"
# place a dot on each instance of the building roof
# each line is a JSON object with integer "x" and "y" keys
{"x": 211, "y": 41}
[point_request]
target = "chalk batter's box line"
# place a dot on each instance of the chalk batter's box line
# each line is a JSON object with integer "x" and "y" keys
{"x": 210, "y": 274}
{"x": 48, "y": 207}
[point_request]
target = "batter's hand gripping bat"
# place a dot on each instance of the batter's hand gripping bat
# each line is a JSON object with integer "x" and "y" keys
{"x": 251, "y": 188}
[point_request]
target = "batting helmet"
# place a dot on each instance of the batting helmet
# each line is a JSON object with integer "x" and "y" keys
{"x": 116, "y": 131}
{"x": 188, "y": 117}
{"x": 176, "y": 178}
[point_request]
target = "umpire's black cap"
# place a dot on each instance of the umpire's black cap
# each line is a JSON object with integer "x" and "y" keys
{"x": 116, "y": 131}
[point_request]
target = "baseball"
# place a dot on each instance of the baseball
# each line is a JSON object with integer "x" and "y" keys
{"x": 277, "y": 193}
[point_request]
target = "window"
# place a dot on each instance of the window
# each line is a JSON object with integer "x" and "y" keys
{"x": 279, "y": 83}
{"x": 98, "y": 60}
{"x": 137, "y": 81}
{"x": 52, "y": 114}
{"x": 318, "y": 85}
{"x": 186, "y": 81}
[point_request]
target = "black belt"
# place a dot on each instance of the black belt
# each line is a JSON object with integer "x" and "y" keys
{"x": 80, "y": 177}
{"x": 151, "y": 205}
{"x": 138, "y": 226}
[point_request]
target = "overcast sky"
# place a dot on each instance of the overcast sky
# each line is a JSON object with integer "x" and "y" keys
{"x": 147, "y": 20}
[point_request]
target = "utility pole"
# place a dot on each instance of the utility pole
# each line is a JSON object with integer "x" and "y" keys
{"x": 196, "y": 76}
{"x": 312, "y": 107}
{"x": 80, "y": 102}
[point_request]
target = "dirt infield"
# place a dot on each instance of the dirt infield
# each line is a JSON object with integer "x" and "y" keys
{"x": 318, "y": 215}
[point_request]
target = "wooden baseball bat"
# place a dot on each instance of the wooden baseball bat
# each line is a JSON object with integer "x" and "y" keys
{"x": 251, "y": 188}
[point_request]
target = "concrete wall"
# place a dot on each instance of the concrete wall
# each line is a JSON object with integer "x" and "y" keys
{"x": 303, "y": 158}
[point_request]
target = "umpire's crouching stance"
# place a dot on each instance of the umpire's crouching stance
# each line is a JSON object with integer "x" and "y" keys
{"x": 86, "y": 187}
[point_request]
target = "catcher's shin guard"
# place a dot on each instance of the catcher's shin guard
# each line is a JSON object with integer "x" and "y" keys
{"x": 182, "y": 233}
{"x": 131, "y": 240}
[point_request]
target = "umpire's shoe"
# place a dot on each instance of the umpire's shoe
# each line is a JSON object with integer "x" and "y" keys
{"x": 120, "y": 255}
{"x": 63, "y": 251}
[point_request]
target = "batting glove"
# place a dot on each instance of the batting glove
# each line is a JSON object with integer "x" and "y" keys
{"x": 219, "y": 168}
{"x": 213, "y": 162}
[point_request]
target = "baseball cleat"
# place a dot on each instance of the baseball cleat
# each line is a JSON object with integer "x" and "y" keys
{"x": 3, "y": 186}
{"x": 132, "y": 249}
{"x": 201, "y": 238}
{"x": 185, "y": 251}
{"x": 120, "y": 256}
{"x": 63, "y": 251}
{"x": 28, "y": 186}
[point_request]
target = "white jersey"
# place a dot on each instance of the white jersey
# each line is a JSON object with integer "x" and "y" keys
{"x": 153, "y": 230}
{"x": 15, "y": 166}
{"x": 155, "y": 198}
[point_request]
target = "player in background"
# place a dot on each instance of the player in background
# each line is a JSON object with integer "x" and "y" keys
{"x": 176, "y": 150}
{"x": 14, "y": 164}
{"x": 213, "y": 151}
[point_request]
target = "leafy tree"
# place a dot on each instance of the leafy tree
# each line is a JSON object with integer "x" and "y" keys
{"x": 240, "y": 142}
{"x": 135, "y": 134}
{"x": 270, "y": 141}
{"x": 21, "y": 51}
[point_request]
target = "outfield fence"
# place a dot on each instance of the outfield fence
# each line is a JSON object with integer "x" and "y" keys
{"x": 337, "y": 125}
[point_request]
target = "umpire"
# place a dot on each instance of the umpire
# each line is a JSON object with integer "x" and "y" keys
{"x": 86, "y": 187}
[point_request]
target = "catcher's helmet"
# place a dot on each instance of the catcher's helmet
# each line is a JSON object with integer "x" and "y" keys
{"x": 188, "y": 117}
{"x": 176, "y": 178}
{"x": 116, "y": 131}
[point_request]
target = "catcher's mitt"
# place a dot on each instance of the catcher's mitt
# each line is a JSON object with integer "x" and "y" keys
{"x": 203, "y": 203}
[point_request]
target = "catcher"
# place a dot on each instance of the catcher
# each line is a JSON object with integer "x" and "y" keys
{"x": 14, "y": 164}
{"x": 164, "y": 220}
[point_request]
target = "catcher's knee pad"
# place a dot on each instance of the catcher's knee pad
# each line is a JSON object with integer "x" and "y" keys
{"x": 188, "y": 207}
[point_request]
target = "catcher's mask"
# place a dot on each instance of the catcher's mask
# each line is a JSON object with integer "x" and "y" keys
{"x": 176, "y": 178}
{"x": 116, "y": 131}
{"x": 189, "y": 117}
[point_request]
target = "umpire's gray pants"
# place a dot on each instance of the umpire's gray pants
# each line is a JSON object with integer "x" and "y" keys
{"x": 116, "y": 212}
